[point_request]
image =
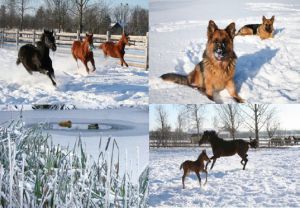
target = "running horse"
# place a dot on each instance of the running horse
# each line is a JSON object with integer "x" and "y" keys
{"x": 222, "y": 148}
{"x": 36, "y": 58}
{"x": 83, "y": 50}
{"x": 116, "y": 50}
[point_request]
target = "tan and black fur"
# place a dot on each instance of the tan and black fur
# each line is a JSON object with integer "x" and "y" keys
{"x": 216, "y": 71}
{"x": 264, "y": 30}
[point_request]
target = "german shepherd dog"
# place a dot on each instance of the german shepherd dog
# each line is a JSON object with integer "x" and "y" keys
{"x": 264, "y": 30}
{"x": 216, "y": 71}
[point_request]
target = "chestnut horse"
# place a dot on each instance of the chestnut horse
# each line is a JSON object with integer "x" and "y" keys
{"x": 222, "y": 148}
{"x": 195, "y": 166}
{"x": 116, "y": 50}
{"x": 83, "y": 50}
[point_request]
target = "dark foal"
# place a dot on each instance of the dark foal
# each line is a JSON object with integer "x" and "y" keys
{"x": 222, "y": 148}
{"x": 37, "y": 58}
{"x": 196, "y": 166}
{"x": 84, "y": 51}
{"x": 116, "y": 50}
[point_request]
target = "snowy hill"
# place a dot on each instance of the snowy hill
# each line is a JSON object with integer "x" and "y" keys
{"x": 109, "y": 87}
{"x": 267, "y": 71}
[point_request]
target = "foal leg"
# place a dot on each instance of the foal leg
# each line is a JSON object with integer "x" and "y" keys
{"x": 205, "y": 171}
{"x": 123, "y": 61}
{"x": 199, "y": 178}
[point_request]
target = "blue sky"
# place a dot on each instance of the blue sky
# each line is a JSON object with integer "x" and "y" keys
{"x": 288, "y": 114}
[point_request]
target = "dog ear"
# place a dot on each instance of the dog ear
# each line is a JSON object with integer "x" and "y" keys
{"x": 264, "y": 18}
{"x": 230, "y": 29}
{"x": 272, "y": 18}
{"x": 212, "y": 27}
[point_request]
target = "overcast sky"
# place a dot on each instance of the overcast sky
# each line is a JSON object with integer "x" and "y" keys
{"x": 288, "y": 114}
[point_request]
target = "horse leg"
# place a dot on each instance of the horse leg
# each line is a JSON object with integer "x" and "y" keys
{"x": 123, "y": 61}
{"x": 183, "y": 177}
{"x": 199, "y": 178}
{"x": 246, "y": 160}
{"x": 205, "y": 171}
{"x": 214, "y": 160}
{"x": 86, "y": 67}
{"x": 51, "y": 78}
{"x": 93, "y": 63}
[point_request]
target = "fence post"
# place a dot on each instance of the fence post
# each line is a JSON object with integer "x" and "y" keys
{"x": 147, "y": 50}
{"x": 108, "y": 36}
{"x": 78, "y": 35}
{"x": 2, "y": 37}
{"x": 17, "y": 37}
{"x": 33, "y": 39}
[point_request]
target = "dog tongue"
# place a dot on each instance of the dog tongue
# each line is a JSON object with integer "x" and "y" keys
{"x": 218, "y": 56}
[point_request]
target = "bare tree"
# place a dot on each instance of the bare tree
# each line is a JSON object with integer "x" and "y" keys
{"x": 256, "y": 116}
{"x": 230, "y": 117}
{"x": 79, "y": 7}
{"x": 121, "y": 14}
{"x": 272, "y": 124}
{"x": 22, "y": 6}
{"x": 164, "y": 128}
{"x": 180, "y": 124}
{"x": 195, "y": 114}
{"x": 59, "y": 10}
{"x": 216, "y": 123}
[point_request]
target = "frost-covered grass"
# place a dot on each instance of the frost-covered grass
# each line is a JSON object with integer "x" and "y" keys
{"x": 36, "y": 173}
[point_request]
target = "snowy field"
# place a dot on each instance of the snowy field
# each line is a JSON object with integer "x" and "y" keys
{"x": 271, "y": 179}
{"x": 132, "y": 137}
{"x": 109, "y": 86}
{"x": 267, "y": 71}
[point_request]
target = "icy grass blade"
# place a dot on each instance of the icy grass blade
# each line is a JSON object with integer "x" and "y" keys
{"x": 36, "y": 173}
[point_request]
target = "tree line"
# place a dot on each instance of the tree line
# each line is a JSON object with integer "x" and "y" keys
{"x": 229, "y": 118}
{"x": 72, "y": 15}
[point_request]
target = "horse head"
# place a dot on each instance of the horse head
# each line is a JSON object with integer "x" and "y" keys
{"x": 90, "y": 41}
{"x": 207, "y": 135}
{"x": 49, "y": 39}
{"x": 125, "y": 38}
{"x": 204, "y": 156}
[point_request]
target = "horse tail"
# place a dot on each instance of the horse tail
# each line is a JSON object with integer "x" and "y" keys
{"x": 253, "y": 143}
{"x": 181, "y": 166}
{"x": 18, "y": 61}
{"x": 176, "y": 78}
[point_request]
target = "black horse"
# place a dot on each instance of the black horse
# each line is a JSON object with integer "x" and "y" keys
{"x": 37, "y": 58}
{"x": 221, "y": 147}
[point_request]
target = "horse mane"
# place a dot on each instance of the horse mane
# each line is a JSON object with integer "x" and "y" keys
{"x": 213, "y": 137}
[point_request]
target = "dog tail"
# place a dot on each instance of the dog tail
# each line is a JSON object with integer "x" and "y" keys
{"x": 176, "y": 78}
{"x": 253, "y": 143}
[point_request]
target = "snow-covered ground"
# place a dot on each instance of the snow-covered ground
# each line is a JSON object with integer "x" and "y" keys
{"x": 267, "y": 71}
{"x": 132, "y": 137}
{"x": 271, "y": 179}
{"x": 110, "y": 86}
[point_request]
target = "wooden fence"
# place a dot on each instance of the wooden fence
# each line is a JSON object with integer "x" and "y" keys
{"x": 138, "y": 55}
{"x": 263, "y": 142}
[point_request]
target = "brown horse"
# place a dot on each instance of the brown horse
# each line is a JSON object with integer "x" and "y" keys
{"x": 195, "y": 166}
{"x": 116, "y": 50}
{"x": 83, "y": 50}
{"x": 222, "y": 148}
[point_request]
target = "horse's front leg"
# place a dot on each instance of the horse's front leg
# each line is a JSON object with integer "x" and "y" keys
{"x": 93, "y": 63}
{"x": 86, "y": 66}
{"x": 123, "y": 61}
{"x": 214, "y": 158}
